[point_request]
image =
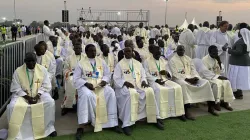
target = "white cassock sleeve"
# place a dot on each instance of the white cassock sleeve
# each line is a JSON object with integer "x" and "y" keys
{"x": 213, "y": 41}
{"x": 63, "y": 53}
{"x": 106, "y": 72}
{"x": 150, "y": 78}
{"x": 46, "y": 84}
{"x": 47, "y": 31}
{"x": 52, "y": 68}
{"x": 194, "y": 73}
{"x": 77, "y": 77}
{"x": 118, "y": 76}
{"x": 143, "y": 74}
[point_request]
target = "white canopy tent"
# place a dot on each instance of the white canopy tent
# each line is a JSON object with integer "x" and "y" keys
{"x": 184, "y": 25}
{"x": 194, "y": 23}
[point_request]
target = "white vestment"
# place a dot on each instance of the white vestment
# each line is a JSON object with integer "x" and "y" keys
{"x": 182, "y": 68}
{"x": 116, "y": 31}
{"x": 188, "y": 41}
{"x": 68, "y": 71}
{"x": 172, "y": 98}
{"x": 221, "y": 88}
{"x": 155, "y": 32}
{"x": 86, "y": 110}
{"x": 219, "y": 39}
{"x": 203, "y": 42}
{"x": 47, "y": 33}
{"x": 51, "y": 67}
{"x": 26, "y": 129}
{"x": 142, "y": 32}
{"x": 165, "y": 31}
{"x": 123, "y": 94}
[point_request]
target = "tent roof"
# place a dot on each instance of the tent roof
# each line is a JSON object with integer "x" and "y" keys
{"x": 194, "y": 23}
{"x": 184, "y": 25}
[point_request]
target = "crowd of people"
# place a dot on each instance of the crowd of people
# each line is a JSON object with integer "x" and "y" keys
{"x": 114, "y": 78}
{"x": 17, "y": 31}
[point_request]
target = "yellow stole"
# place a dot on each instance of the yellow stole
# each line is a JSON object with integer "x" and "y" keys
{"x": 37, "y": 110}
{"x": 179, "y": 110}
{"x": 101, "y": 110}
{"x": 136, "y": 81}
{"x": 211, "y": 64}
{"x": 49, "y": 54}
{"x": 46, "y": 61}
{"x": 72, "y": 63}
{"x": 182, "y": 64}
{"x": 110, "y": 62}
{"x": 58, "y": 50}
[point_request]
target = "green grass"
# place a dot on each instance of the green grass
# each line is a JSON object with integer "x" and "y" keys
{"x": 228, "y": 126}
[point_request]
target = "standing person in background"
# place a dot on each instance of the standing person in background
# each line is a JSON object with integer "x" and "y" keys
{"x": 46, "y": 31}
{"x": 19, "y": 31}
{"x": 4, "y": 31}
{"x": 13, "y": 32}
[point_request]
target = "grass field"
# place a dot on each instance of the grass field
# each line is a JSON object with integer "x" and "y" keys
{"x": 228, "y": 126}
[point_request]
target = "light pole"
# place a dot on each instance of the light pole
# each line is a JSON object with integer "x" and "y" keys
{"x": 15, "y": 11}
{"x": 166, "y": 10}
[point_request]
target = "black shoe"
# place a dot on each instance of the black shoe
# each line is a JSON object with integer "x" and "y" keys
{"x": 55, "y": 94}
{"x": 211, "y": 111}
{"x": 183, "y": 118}
{"x": 79, "y": 133}
{"x": 64, "y": 111}
{"x": 161, "y": 121}
{"x": 53, "y": 134}
{"x": 117, "y": 129}
{"x": 127, "y": 131}
{"x": 226, "y": 106}
{"x": 159, "y": 125}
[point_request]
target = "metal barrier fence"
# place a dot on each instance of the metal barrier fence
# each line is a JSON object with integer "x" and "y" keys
{"x": 11, "y": 57}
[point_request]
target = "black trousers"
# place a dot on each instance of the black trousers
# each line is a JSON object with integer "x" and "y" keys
{"x": 13, "y": 36}
{"x": 3, "y": 35}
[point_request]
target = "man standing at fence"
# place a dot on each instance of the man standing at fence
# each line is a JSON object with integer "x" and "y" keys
{"x": 46, "y": 31}
{"x": 13, "y": 32}
{"x": 31, "y": 112}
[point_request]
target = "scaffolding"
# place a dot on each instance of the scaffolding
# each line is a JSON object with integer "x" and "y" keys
{"x": 123, "y": 18}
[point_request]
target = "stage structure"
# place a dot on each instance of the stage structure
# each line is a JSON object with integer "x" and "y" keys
{"x": 123, "y": 18}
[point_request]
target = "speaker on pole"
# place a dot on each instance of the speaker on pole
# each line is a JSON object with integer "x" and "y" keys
{"x": 65, "y": 15}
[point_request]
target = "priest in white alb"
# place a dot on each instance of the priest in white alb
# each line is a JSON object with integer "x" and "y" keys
{"x": 141, "y": 31}
{"x": 194, "y": 88}
{"x": 165, "y": 31}
{"x": 46, "y": 31}
{"x": 187, "y": 39}
{"x": 222, "y": 41}
{"x": 70, "y": 97}
{"x": 31, "y": 111}
{"x": 203, "y": 40}
{"x": 135, "y": 99}
{"x": 96, "y": 99}
{"x": 168, "y": 94}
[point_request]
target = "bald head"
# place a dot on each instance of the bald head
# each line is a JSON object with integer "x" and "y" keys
{"x": 30, "y": 60}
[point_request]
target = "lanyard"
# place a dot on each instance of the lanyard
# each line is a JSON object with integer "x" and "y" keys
{"x": 131, "y": 68}
{"x": 30, "y": 82}
{"x": 158, "y": 66}
{"x": 93, "y": 67}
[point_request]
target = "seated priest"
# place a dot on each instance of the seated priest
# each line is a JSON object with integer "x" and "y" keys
{"x": 31, "y": 112}
{"x": 221, "y": 86}
{"x": 168, "y": 94}
{"x": 194, "y": 88}
{"x": 70, "y": 97}
{"x": 135, "y": 99}
{"x": 96, "y": 101}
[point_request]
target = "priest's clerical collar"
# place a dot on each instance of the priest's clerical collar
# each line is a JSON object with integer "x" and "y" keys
{"x": 30, "y": 70}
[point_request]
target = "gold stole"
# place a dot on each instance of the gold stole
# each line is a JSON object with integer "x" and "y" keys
{"x": 58, "y": 50}
{"x": 211, "y": 64}
{"x": 101, "y": 110}
{"x": 182, "y": 64}
{"x": 179, "y": 110}
{"x": 49, "y": 54}
{"x": 150, "y": 98}
{"x": 111, "y": 61}
{"x": 37, "y": 110}
{"x": 46, "y": 61}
